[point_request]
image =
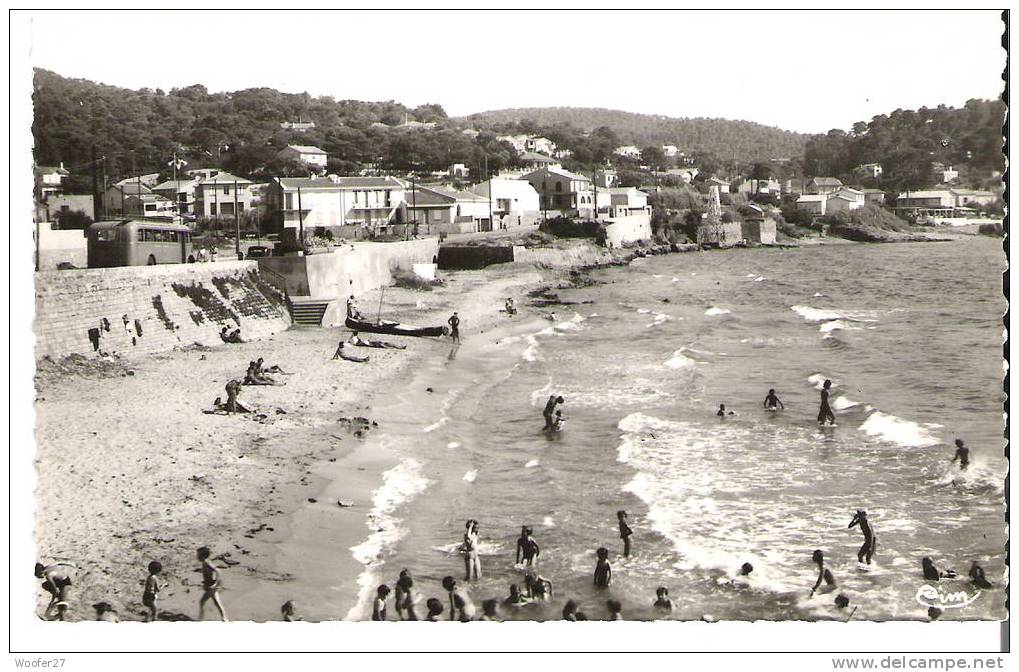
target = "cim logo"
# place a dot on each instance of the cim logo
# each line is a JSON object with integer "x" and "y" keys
{"x": 955, "y": 597}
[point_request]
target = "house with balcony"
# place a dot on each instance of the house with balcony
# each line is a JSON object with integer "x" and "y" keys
{"x": 433, "y": 209}
{"x": 349, "y": 207}
{"x": 629, "y": 151}
{"x": 307, "y": 154}
{"x": 568, "y": 193}
{"x": 927, "y": 202}
{"x": 49, "y": 180}
{"x": 222, "y": 195}
{"x": 969, "y": 198}
{"x": 533, "y": 161}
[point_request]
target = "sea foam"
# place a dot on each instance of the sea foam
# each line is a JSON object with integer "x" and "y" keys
{"x": 897, "y": 430}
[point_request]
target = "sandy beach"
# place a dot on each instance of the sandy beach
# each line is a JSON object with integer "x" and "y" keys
{"x": 131, "y": 470}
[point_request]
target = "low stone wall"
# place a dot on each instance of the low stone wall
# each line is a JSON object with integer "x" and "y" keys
{"x": 142, "y": 309}
{"x": 577, "y": 255}
{"x": 473, "y": 257}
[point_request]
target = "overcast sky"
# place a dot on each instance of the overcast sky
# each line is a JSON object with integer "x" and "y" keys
{"x": 802, "y": 71}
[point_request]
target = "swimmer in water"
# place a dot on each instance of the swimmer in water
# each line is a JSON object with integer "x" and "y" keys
{"x": 961, "y": 454}
{"x": 869, "y": 539}
{"x": 615, "y": 610}
{"x": 602, "y": 570}
{"x": 772, "y": 402}
{"x": 434, "y": 609}
{"x": 558, "y": 422}
{"x": 823, "y": 574}
{"x": 825, "y": 413}
{"x": 977, "y": 576}
{"x": 932, "y": 573}
{"x": 746, "y": 569}
{"x": 722, "y": 412}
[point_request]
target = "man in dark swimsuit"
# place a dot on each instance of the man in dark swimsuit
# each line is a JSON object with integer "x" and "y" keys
{"x": 869, "y": 540}
{"x": 454, "y": 327}
{"x": 527, "y": 547}
{"x": 961, "y": 454}
{"x": 549, "y": 411}
{"x": 825, "y": 413}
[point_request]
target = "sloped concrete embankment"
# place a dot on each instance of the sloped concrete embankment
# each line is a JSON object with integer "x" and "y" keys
{"x": 144, "y": 309}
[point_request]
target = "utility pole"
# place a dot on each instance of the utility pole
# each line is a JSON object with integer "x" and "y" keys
{"x": 95, "y": 184}
{"x": 237, "y": 224}
{"x": 491, "y": 222}
{"x": 596, "y": 193}
{"x": 414, "y": 202}
{"x": 300, "y": 218}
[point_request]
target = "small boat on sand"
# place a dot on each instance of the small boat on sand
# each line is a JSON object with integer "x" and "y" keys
{"x": 393, "y": 328}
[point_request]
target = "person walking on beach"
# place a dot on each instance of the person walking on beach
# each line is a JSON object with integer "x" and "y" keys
{"x": 211, "y": 585}
{"x": 961, "y": 454}
{"x": 869, "y": 539}
{"x": 550, "y": 407}
{"x": 527, "y": 547}
{"x": 57, "y": 579}
{"x": 823, "y": 574}
{"x": 825, "y": 413}
{"x": 772, "y": 402}
{"x": 602, "y": 570}
{"x": 454, "y": 327}
{"x": 151, "y": 593}
{"x": 379, "y": 606}
{"x": 624, "y": 532}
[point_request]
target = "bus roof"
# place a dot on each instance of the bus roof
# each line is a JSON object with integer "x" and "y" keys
{"x": 166, "y": 225}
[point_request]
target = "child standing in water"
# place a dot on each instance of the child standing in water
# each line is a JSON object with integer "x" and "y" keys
{"x": 472, "y": 561}
{"x": 151, "y": 593}
{"x": 662, "y": 600}
{"x": 379, "y": 606}
{"x": 869, "y": 539}
{"x": 527, "y": 547}
{"x": 602, "y": 570}
{"x": 772, "y": 402}
{"x": 624, "y": 532}
{"x": 961, "y": 454}
{"x": 823, "y": 574}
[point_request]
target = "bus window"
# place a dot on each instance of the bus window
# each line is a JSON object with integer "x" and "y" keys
{"x": 106, "y": 235}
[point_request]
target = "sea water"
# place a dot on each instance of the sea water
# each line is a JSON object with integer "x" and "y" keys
{"x": 910, "y": 335}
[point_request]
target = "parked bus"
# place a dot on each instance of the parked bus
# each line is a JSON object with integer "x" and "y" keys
{"x": 138, "y": 242}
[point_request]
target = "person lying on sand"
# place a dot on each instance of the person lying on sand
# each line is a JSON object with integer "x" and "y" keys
{"x": 511, "y": 307}
{"x": 343, "y": 354}
{"x": 358, "y": 341}
{"x": 231, "y": 337}
{"x": 263, "y": 369}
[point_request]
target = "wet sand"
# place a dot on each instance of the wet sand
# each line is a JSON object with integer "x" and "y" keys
{"x": 130, "y": 469}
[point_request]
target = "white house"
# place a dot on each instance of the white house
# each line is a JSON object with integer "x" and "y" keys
{"x": 630, "y": 151}
{"x": 670, "y": 151}
{"x": 49, "y": 180}
{"x": 514, "y": 202}
{"x": 333, "y": 203}
{"x": 869, "y": 170}
{"x": 967, "y": 198}
{"x": 823, "y": 185}
{"x": 813, "y": 203}
{"x": 438, "y": 210}
{"x": 854, "y": 198}
{"x": 181, "y": 192}
{"x": 313, "y": 156}
{"x": 625, "y": 201}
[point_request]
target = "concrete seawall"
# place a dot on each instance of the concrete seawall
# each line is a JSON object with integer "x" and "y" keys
{"x": 144, "y": 309}
{"x": 332, "y": 276}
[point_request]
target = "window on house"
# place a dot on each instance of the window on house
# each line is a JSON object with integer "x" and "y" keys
{"x": 226, "y": 208}
{"x": 226, "y": 189}
{"x": 289, "y": 198}
{"x": 558, "y": 186}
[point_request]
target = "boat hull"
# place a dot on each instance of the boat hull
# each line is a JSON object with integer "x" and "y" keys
{"x": 394, "y": 328}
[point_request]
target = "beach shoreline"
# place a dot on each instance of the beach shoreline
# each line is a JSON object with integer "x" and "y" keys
{"x": 130, "y": 470}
